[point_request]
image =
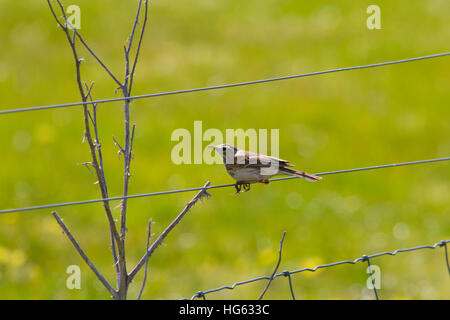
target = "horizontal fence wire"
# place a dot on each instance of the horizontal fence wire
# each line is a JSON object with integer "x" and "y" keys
{"x": 223, "y": 86}
{"x": 56, "y": 205}
{"x": 364, "y": 258}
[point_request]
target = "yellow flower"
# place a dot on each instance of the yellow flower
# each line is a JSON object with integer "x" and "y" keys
{"x": 12, "y": 258}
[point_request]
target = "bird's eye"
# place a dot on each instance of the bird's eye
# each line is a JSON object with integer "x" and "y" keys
{"x": 224, "y": 148}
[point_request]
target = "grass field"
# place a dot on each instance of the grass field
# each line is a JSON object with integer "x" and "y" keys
{"x": 329, "y": 122}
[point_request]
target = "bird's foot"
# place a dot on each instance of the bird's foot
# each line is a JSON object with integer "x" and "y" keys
{"x": 242, "y": 187}
{"x": 238, "y": 187}
{"x": 266, "y": 181}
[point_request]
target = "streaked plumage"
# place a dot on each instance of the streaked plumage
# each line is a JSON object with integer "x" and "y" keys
{"x": 249, "y": 167}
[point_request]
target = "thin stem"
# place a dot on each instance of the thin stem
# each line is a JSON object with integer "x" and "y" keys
{"x": 92, "y": 147}
{"x": 117, "y": 144}
{"x": 102, "y": 180}
{"x": 165, "y": 233}
{"x": 123, "y": 284}
{"x": 97, "y": 58}
{"x": 138, "y": 47}
{"x": 149, "y": 230}
{"x": 136, "y": 21}
{"x": 83, "y": 255}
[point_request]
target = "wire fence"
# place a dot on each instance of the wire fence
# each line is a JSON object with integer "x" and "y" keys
{"x": 202, "y": 294}
{"x": 364, "y": 258}
{"x": 223, "y": 86}
{"x": 65, "y": 204}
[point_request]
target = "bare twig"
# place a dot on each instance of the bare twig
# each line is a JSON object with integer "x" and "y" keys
{"x": 93, "y": 147}
{"x": 55, "y": 16}
{"x": 130, "y": 154}
{"x": 149, "y": 229}
{"x": 97, "y": 58}
{"x": 136, "y": 21}
{"x": 117, "y": 144}
{"x": 102, "y": 180}
{"x": 126, "y": 150}
{"x": 276, "y": 267}
{"x": 86, "y": 164}
{"x": 123, "y": 284}
{"x": 117, "y": 237}
{"x": 83, "y": 255}
{"x": 88, "y": 93}
{"x": 76, "y": 34}
{"x": 94, "y": 109}
{"x": 165, "y": 233}
{"x": 138, "y": 48}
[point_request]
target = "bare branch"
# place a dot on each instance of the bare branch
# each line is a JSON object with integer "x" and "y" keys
{"x": 97, "y": 58}
{"x": 87, "y": 164}
{"x": 84, "y": 256}
{"x": 117, "y": 238}
{"x": 94, "y": 111}
{"x": 136, "y": 21}
{"x": 276, "y": 267}
{"x": 202, "y": 193}
{"x": 88, "y": 94}
{"x": 149, "y": 229}
{"x": 54, "y": 15}
{"x": 123, "y": 284}
{"x": 130, "y": 154}
{"x": 92, "y": 146}
{"x": 76, "y": 34}
{"x": 138, "y": 48}
{"x": 117, "y": 144}
{"x": 102, "y": 177}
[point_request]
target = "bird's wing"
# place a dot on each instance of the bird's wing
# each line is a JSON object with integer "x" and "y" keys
{"x": 252, "y": 159}
{"x": 280, "y": 161}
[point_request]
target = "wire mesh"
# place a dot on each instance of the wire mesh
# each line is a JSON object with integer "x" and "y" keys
{"x": 286, "y": 274}
{"x": 363, "y": 258}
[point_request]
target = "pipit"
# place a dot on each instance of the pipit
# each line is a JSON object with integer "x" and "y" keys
{"x": 249, "y": 167}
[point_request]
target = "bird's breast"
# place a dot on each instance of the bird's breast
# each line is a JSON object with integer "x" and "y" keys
{"x": 243, "y": 174}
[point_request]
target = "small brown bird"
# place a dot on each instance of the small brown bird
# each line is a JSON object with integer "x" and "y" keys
{"x": 249, "y": 167}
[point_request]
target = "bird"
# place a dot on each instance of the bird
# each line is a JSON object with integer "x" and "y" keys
{"x": 248, "y": 167}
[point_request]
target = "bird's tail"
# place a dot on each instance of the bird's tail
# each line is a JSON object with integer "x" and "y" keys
{"x": 303, "y": 175}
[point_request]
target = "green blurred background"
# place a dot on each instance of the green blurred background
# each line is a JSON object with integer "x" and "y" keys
{"x": 329, "y": 122}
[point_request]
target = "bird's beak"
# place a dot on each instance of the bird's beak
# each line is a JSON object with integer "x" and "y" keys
{"x": 212, "y": 147}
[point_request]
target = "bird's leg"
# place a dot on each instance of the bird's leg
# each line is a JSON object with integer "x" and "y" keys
{"x": 238, "y": 187}
{"x": 246, "y": 187}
